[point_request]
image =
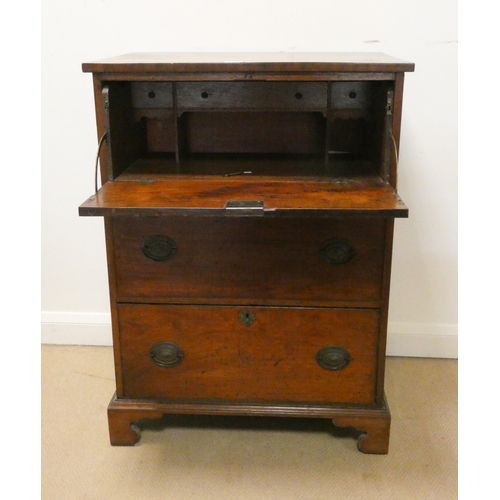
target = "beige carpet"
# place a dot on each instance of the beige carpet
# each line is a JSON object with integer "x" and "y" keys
{"x": 244, "y": 458}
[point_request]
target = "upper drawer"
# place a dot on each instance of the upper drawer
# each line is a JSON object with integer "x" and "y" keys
{"x": 248, "y": 260}
{"x": 252, "y": 95}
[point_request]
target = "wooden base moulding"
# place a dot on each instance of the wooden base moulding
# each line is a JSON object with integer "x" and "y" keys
{"x": 124, "y": 417}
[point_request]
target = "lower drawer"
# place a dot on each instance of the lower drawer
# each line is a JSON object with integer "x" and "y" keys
{"x": 259, "y": 354}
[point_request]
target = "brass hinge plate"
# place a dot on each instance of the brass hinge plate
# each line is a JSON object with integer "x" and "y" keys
{"x": 245, "y": 207}
{"x": 390, "y": 103}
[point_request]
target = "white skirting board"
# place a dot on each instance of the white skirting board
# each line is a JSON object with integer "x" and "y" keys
{"x": 422, "y": 340}
{"x": 404, "y": 339}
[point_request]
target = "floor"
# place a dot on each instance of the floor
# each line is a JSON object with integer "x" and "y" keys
{"x": 236, "y": 458}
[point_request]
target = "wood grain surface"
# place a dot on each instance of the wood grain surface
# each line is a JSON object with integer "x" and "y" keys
{"x": 254, "y": 61}
{"x": 273, "y": 360}
{"x": 209, "y": 196}
{"x": 250, "y": 259}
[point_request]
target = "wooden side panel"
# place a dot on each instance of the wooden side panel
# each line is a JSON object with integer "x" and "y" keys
{"x": 273, "y": 359}
{"x": 127, "y": 138}
{"x": 384, "y": 312}
{"x": 396, "y": 127}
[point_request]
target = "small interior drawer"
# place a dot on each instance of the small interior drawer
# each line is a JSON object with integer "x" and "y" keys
{"x": 152, "y": 94}
{"x": 249, "y": 353}
{"x": 252, "y": 95}
{"x": 351, "y": 95}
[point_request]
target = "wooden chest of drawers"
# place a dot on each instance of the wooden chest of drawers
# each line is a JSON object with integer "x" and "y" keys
{"x": 249, "y": 210}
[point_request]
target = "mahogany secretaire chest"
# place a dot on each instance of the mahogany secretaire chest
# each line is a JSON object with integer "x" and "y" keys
{"x": 249, "y": 203}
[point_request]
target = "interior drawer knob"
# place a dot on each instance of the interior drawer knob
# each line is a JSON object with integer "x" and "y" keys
{"x": 333, "y": 357}
{"x": 159, "y": 248}
{"x": 166, "y": 354}
{"x": 337, "y": 251}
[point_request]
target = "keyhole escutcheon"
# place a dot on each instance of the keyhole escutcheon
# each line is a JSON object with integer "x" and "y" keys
{"x": 246, "y": 317}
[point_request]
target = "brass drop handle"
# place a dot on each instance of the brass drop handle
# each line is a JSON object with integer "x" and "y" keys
{"x": 337, "y": 251}
{"x": 159, "y": 248}
{"x": 333, "y": 357}
{"x": 166, "y": 354}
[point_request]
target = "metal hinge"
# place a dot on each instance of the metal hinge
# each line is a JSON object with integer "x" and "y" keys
{"x": 243, "y": 207}
{"x": 390, "y": 102}
{"x": 105, "y": 95}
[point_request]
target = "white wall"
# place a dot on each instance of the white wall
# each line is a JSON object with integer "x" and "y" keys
{"x": 423, "y": 313}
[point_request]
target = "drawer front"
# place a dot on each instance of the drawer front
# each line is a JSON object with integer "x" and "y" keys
{"x": 252, "y": 95}
{"x": 234, "y": 259}
{"x": 151, "y": 94}
{"x": 249, "y": 354}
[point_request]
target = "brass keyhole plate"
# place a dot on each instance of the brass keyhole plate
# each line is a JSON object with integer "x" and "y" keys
{"x": 246, "y": 317}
